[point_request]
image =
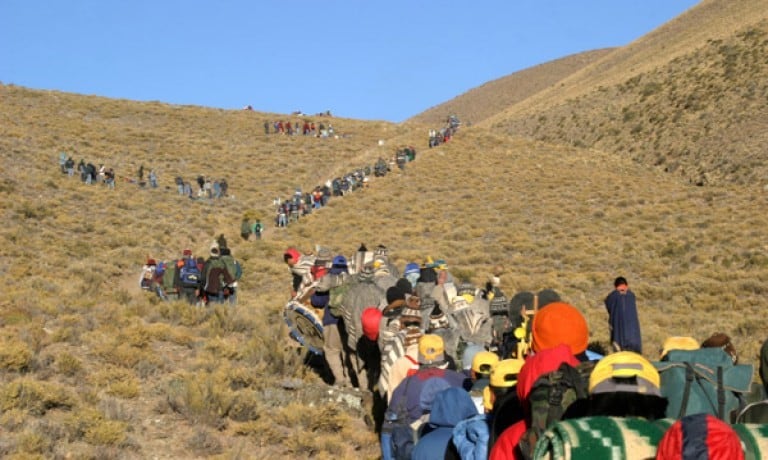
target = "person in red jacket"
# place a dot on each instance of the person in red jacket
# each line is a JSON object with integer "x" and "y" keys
{"x": 559, "y": 335}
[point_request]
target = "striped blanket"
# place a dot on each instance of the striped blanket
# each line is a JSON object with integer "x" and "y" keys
{"x": 613, "y": 438}
{"x": 600, "y": 438}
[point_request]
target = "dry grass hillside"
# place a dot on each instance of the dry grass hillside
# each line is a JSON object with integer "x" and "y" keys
{"x": 689, "y": 98}
{"x": 92, "y": 367}
{"x": 493, "y": 97}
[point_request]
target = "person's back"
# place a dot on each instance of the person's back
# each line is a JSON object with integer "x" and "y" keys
{"x": 449, "y": 407}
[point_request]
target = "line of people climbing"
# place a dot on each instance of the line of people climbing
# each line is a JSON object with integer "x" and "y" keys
{"x": 451, "y": 370}
{"x": 197, "y": 280}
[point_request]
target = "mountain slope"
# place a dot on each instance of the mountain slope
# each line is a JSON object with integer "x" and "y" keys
{"x": 493, "y": 97}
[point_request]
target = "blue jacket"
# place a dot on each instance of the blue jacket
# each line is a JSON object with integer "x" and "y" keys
{"x": 471, "y": 438}
{"x": 450, "y": 407}
{"x": 625, "y": 325}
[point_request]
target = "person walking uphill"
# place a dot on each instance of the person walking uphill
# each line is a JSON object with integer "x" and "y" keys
{"x": 623, "y": 321}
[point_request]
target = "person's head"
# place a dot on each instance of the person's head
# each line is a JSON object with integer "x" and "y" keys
{"x": 437, "y": 319}
{"x": 721, "y": 340}
{"x": 214, "y": 251}
{"x": 700, "y": 436}
{"x": 186, "y": 253}
{"x": 620, "y": 284}
{"x": 338, "y": 265}
{"x": 371, "y": 319}
{"x": 678, "y": 343}
{"x": 559, "y": 323}
{"x": 502, "y": 380}
{"x": 468, "y": 355}
{"x": 482, "y": 364}
{"x": 431, "y": 350}
{"x": 626, "y": 384}
{"x": 291, "y": 256}
{"x": 394, "y": 294}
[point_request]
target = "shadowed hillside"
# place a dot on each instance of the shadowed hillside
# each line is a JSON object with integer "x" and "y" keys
{"x": 92, "y": 367}
{"x": 493, "y": 97}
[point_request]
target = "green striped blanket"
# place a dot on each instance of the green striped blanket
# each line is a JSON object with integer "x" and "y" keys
{"x": 600, "y": 438}
{"x": 614, "y": 438}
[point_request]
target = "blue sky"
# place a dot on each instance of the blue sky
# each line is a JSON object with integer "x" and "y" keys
{"x": 372, "y": 60}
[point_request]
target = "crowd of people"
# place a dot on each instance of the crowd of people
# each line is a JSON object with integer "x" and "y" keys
{"x": 299, "y": 127}
{"x": 453, "y": 370}
{"x": 444, "y": 134}
{"x": 88, "y": 172}
{"x": 207, "y": 188}
{"x": 197, "y": 280}
{"x": 291, "y": 209}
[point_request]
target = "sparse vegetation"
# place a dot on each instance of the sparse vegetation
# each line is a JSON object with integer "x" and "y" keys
{"x": 92, "y": 367}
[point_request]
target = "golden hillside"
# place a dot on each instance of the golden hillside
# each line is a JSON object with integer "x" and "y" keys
{"x": 689, "y": 98}
{"x": 495, "y": 96}
{"x": 92, "y": 367}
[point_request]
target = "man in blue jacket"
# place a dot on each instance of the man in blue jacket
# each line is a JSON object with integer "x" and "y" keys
{"x": 622, "y": 318}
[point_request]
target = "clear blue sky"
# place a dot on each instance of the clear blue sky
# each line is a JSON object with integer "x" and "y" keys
{"x": 373, "y": 60}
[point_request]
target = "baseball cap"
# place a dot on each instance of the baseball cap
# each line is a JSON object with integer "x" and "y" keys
{"x": 431, "y": 349}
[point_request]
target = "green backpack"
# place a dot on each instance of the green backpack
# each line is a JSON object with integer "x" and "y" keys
{"x": 704, "y": 381}
{"x": 553, "y": 397}
{"x": 336, "y": 299}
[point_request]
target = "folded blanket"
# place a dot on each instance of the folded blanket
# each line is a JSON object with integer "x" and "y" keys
{"x": 754, "y": 439}
{"x": 600, "y": 438}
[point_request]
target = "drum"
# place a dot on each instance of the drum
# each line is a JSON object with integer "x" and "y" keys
{"x": 304, "y": 326}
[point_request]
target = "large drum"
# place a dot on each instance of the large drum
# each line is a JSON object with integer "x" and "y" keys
{"x": 304, "y": 326}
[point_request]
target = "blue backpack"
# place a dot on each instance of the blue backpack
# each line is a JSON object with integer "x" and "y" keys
{"x": 190, "y": 275}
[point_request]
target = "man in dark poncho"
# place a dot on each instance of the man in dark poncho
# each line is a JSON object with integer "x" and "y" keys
{"x": 622, "y": 318}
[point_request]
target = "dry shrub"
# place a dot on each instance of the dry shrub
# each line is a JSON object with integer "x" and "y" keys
{"x": 199, "y": 397}
{"x": 15, "y": 355}
{"x": 68, "y": 364}
{"x": 35, "y": 397}
{"x": 205, "y": 443}
{"x": 115, "y": 381}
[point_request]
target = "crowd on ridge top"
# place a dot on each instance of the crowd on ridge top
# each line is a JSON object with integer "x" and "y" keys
{"x": 452, "y": 370}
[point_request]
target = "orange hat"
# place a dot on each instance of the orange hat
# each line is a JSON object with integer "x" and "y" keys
{"x": 559, "y": 323}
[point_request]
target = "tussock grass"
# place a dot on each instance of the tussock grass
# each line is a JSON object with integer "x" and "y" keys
{"x": 92, "y": 367}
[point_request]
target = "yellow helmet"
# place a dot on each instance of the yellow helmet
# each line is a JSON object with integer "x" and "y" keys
{"x": 625, "y": 371}
{"x": 504, "y": 373}
{"x": 484, "y": 361}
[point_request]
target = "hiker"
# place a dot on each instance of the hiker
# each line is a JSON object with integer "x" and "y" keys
{"x": 405, "y": 406}
{"x": 622, "y": 317}
{"x": 70, "y": 166}
{"x": 109, "y": 178}
{"x": 215, "y": 278}
{"x": 449, "y": 407}
{"x": 258, "y": 227}
{"x": 625, "y": 384}
{"x": 152, "y": 178}
{"x": 363, "y": 292}
{"x": 500, "y": 399}
{"x": 235, "y": 270}
{"x": 300, "y": 266}
{"x": 401, "y": 351}
{"x": 62, "y": 162}
{"x": 141, "y": 173}
{"x": 245, "y": 228}
{"x": 187, "y": 277}
{"x": 480, "y": 366}
{"x": 333, "y": 347}
{"x": 559, "y": 335}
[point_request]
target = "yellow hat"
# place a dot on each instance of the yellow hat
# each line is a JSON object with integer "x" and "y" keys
{"x": 504, "y": 373}
{"x": 484, "y": 361}
{"x": 625, "y": 371}
{"x": 431, "y": 349}
{"x": 679, "y": 343}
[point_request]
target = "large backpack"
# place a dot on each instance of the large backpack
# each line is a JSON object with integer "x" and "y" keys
{"x": 556, "y": 395}
{"x": 189, "y": 274}
{"x": 704, "y": 381}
